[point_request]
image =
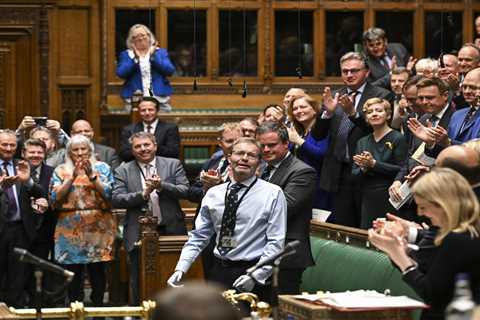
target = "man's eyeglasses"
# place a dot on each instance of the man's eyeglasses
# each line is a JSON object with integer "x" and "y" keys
{"x": 352, "y": 71}
{"x": 241, "y": 154}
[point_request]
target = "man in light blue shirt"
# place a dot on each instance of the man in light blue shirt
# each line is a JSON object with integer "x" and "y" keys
{"x": 255, "y": 233}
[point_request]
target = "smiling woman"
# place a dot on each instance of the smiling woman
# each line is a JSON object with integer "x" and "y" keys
{"x": 81, "y": 191}
{"x": 302, "y": 113}
{"x": 378, "y": 158}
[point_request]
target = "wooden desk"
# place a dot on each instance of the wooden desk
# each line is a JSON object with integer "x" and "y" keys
{"x": 302, "y": 310}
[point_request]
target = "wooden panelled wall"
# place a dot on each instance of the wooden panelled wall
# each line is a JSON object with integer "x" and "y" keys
{"x": 57, "y": 56}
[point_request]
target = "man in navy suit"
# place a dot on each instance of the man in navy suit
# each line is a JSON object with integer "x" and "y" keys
{"x": 34, "y": 151}
{"x": 166, "y": 134}
{"x": 382, "y": 56}
{"x": 343, "y": 120}
{"x": 17, "y": 220}
{"x": 463, "y": 124}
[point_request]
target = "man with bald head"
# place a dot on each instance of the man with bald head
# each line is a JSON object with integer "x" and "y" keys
{"x": 465, "y": 161}
{"x": 102, "y": 152}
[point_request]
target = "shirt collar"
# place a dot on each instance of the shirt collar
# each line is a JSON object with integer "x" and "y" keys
{"x": 440, "y": 114}
{"x": 277, "y": 164}
{"x": 360, "y": 90}
{"x": 153, "y": 125}
{"x": 246, "y": 182}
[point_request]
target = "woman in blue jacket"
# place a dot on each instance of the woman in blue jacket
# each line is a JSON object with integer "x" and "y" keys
{"x": 145, "y": 67}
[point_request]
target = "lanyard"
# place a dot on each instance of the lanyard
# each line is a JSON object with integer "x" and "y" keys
{"x": 243, "y": 195}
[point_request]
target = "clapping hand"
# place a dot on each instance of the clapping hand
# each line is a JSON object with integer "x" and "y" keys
{"x": 364, "y": 160}
{"x": 210, "y": 178}
{"x": 23, "y": 171}
{"x": 330, "y": 102}
{"x": 347, "y": 102}
{"x": 424, "y": 133}
{"x": 294, "y": 137}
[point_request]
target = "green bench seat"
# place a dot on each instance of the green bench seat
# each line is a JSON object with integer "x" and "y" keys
{"x": 341, "y": 267}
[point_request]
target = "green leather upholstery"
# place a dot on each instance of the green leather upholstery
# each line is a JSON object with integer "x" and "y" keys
{"x": 340, "y": 267}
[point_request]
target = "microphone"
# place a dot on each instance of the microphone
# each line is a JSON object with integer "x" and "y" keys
{"x": 288, "y": 250}
{"x": 27, "y": 257}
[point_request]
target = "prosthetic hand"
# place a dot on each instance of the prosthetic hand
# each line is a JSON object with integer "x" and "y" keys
{"x": 244, "y": 283}
{"x": 175, "y": 278}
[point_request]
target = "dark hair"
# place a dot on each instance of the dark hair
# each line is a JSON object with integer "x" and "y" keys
{"x": 34, "y": 142}
{"x": 412, "y": 81}
{"x": 194, "y": 301}
{"x": 151, "y": 99}
{"x": 251, "y": 120}
{"x": 436, "y": 82}
{"x": 278, "y": 128}
{"x": 400, "y": 70}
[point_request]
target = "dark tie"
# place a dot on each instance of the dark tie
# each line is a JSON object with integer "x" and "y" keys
{"x": 341, "y": 146}
{"x": 12, "y": 204}
{"x": 434, "y": 120}
{"x": 149, "y": 129}
{"x": 229, "y": 219}
{"x": 34, "y": 175}
{"x": 266, "y": 172}
{"x": 468, "y": 117}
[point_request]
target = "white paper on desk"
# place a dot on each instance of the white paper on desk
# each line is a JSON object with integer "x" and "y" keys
{"x": 364, "y": 299}
{"x": 405, "y": 193}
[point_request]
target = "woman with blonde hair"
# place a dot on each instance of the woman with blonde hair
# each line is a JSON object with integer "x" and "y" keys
{"x": 302, "y": 113}
{"x": 145, "y": 67}
{"x": 80, "y": 192}
{"x": 447, "y": 199}
{"x": 377, "y": 160}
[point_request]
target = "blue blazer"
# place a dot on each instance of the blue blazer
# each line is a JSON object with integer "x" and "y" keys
{"x": 470, "y": 131}
{"x": 129, "y": 69}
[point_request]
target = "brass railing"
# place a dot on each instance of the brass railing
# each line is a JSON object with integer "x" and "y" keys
{"x": 78, "y": 311}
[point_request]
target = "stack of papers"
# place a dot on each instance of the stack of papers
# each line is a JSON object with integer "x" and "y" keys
{"x": 362, "y": 300}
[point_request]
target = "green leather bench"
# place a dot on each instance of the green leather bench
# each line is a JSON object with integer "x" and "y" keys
{"x": 344, "y": 260}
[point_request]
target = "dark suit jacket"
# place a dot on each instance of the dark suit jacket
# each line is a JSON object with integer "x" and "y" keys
{"x": 297, "y": 181}
{"x": 166, "y": 134}
{"x": 45, "y": 222}
{"x": 332, "y": 167}
{"x": 28, "y": 218}
{"x": 380, "y": 74}
{"x": 108, "y": 155}
{"x": 128, "y": 194}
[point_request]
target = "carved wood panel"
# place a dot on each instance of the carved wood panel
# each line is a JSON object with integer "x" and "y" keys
{"x": 73, "y": 102}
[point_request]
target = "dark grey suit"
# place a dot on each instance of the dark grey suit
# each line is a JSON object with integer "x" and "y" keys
{"x": 297, "y": 181}
{"x": 107, "y": 154}
{"x": 128, "y": 194}
{"x": 379, "y": 73}
{"x": 336, "y": 175}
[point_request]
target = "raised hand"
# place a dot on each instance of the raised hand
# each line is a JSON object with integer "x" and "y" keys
{"x": 420, "y": 131}
{"x": 347, "y": 102}
{"x": 411, "y": 63}
{"x": 329, "y": 102}
{"x": 294, "y": 137}
{"x": 23, "y": 171}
